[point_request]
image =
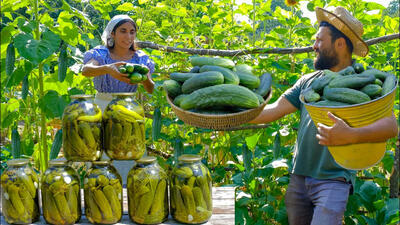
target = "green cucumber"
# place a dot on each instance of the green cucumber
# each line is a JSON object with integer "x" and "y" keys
{"x": 248, "y": 80}
{"x": 372, "y": 90}
{"x": 352, "y": 81}
{"x": 173, "y": 88}
{"x": 265, "y": 85}
{"x": 213, "y": 61}
{"x": 388, "y": 84}
{"x": 346, "y": 95}
{"x": 201, "y": 80}
{"x": 223, "y": 95}
{"x": 181, "y": 77}
{"x": 230, "y": 77}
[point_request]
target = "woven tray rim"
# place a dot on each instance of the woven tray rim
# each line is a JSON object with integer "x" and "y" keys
{"x": 210, "y": 117}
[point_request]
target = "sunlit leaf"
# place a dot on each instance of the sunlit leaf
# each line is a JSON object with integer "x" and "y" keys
{"x": 127, "y": 6}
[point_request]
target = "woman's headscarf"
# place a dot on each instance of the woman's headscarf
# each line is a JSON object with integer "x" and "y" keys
{"x": 106, "y": 36}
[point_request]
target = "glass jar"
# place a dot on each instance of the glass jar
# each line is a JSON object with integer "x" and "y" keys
{"x": 61, "y": 197}
{"x": 124, "y": 133}
{"x": 147, "y": 186}
{"x": 82, "y": 129}
{"x": 19, "y": 192}
{"x": 191, "y": 200}
{"x": 103, "y": 193}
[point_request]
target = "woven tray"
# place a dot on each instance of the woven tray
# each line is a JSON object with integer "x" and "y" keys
{"x": 217, "y": 122}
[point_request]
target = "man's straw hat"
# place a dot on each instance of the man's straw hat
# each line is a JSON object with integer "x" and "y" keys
{"x": 347, "y": 24}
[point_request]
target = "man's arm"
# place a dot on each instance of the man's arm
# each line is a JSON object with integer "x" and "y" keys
{"x": 342, "y": 134}
{"x": 275, "y": 111}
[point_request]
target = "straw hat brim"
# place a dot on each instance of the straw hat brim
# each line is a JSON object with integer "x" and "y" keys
{"x": 360, "y": 48}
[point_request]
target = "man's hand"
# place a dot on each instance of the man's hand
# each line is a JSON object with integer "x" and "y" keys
{"x": 339, "y": 134}
{"x": 114, "y": 72}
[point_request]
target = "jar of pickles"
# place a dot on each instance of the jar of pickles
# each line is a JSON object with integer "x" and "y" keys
{"x": 124, "y": 134}
{"x": 191, "y": 200}
{"x": 103, "y": 193}
{"x": 19, "y": 192}
{"x": 147, "y": 186}
{"x": 82, "y": 129}
{"x": 61, "y": 198}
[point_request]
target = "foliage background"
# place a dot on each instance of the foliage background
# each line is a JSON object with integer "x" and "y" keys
{"x": 255, "y": 161}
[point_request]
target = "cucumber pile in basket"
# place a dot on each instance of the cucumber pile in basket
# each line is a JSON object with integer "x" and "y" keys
{"x": 352, "y": 85}
{"x": 217, "y": 86}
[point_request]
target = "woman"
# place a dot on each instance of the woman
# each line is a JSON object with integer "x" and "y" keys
{"x": 102, "y": 62}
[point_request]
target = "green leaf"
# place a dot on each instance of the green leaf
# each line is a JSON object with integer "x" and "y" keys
{"x": 36, "y": 51}
{"x": 141, "y": 2}
{"x": 280, "y": 66}
{"x": 388, "y": 161}
{"x": 67, "y": 28}
{"x": 281, "y": 30}
{"x": 126, "y": 7}
{"x": 252, "y": 140}
{"x": 369, "y": 193}
{"x": 52, "y": 104}
{"x": 26, "y": 26}
{"x": 16, "y": 77}
{"x": 392, "y": 211}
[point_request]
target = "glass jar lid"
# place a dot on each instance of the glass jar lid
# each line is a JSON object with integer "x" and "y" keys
{"x": 189, "y": 158}
{"x": 17, "y": 162}
{"x": 146, "y": 159}
{"x": 101, "y": 162}
{"x": 123, "y": 94}
{"x": 58, "y": 162}
{"x": 81, "y": 96}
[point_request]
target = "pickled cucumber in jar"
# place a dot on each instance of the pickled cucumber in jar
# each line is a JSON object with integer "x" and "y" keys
{"x": 147, "y": 186}
{"x": 191, "y": 200}
{"x": 123, "y": 125}
{"x": 81, "y": 125}
{"x": 103, "y": 193}
{"x": 61, "y": 198}
{"x": 19, "y": 192}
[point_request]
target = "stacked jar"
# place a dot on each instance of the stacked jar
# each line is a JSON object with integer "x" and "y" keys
{"x": 82, "y": 129}
{"x": 190, "y": 191}
{"x": 19, "y": 191}
{"x": 103, "y": 193}
{"x": 123, "y": 125}
{"x": 61, "y": 198}
{"x": 147, "y": 186}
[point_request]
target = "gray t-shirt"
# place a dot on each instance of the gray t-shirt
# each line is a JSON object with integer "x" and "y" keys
{"x": 310, "y": 158}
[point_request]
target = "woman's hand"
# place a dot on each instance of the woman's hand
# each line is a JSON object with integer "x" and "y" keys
{"x": 338, "y": 134}
{"x": 114, "y": 72}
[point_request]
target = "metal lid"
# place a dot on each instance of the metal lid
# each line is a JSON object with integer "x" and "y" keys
{"x": 17, "y": 162}
{"x": 123, "y": 94}
{"x": 58, "y": 162}
{"x": 101, "y": 162}
{"x": 146, "y": 159}
{"x": 81, "y": 96}
{"x": 189, "y": 158}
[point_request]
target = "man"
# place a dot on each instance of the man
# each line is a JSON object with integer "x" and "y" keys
{"x": 319, "y": 188}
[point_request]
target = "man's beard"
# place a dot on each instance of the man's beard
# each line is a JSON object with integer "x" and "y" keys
{"x": 326, "y": 59}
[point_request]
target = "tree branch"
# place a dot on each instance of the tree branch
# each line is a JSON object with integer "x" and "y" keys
{"x": 219, "y": 52}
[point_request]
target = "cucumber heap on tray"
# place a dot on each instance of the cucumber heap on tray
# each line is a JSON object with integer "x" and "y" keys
{"x": 217, "y": 86}
{"x": 352, "y": 85}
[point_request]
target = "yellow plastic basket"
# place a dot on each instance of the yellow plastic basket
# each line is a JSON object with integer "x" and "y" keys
{"x": 356, "y": 156}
